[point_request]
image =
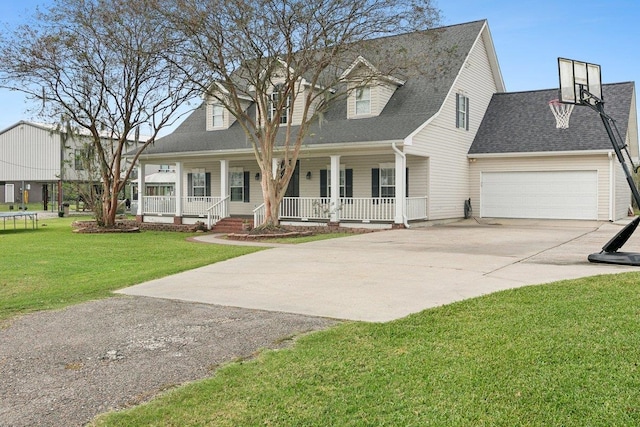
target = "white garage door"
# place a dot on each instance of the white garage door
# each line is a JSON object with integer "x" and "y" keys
{"x": 552, "y": 195}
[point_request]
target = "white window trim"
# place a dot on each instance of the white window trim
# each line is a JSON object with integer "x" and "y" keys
{"x": 387, "y": 166}
{"x": 203, "y": 186}
{"x": 215, "y": 106}
{"x": 343, "y": 180}
{"x": 284, "y": 115}
{"x": 241, "y": 186}
{"x": 462, "y": 115}
{"x": 361, "y": 90}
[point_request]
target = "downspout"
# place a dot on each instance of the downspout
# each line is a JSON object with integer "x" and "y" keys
{"x": 404, "y": 180}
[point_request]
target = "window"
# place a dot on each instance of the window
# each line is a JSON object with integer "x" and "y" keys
{"x": 274, "y": 104}
{"x": 346, "y": 182}
{"x": 363, "y": 100}
{"x": 217, "y": 116}
{"x": 236, "y": 185}
{"x": 198, "y": 184}
{"x": 164, "y": 168}
{"x": 342, "y": 182}
{"x": 239, "y": 185}
{"x": 79, "y": 159}
{"x": 462, "y": 112}
{"x": 387, "y": 182}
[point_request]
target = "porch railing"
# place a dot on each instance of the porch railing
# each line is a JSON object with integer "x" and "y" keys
{"x": 302, "y": 208}
{"x": 416, "y": 208}
{"x": 217, "y": 211}
{"x": 306, "y": 208}
{"x": 259, "y": 214}
{"x": 159, "y": 205}
{"x": 198, "y": 205}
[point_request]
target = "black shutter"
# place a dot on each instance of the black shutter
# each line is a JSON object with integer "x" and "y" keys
{"x": 246, "y": 187}
{"x": 406, "y": 182}
{"x": 375, "y": 182}
{"x": 323, "y": 183}
{"x": 207, "y": 183}
{"x": 189, "y": 184}
{"x": 466, "y": 100}
{"x": 348, "y": 183}
{"x": 457, "y": 110}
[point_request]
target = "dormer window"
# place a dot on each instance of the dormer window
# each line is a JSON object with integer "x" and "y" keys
{"x": 217, "y": 116}
{"x": 274, "y": 103}
{"x": 363, "y": 100}
{"x": 369, "y": 89}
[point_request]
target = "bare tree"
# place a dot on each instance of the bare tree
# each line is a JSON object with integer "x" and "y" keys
{"x": 267, "y": 61}
{"x": 101, "y": 66}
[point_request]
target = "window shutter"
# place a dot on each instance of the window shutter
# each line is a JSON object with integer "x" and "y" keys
{"x": 190, "y": 184}
{"x": 246, "y": 186}
{"x": 406, "y": 182}
{"x": 207, "y": 183}
{"x": 375, "y": 182}
{"x": 466, "y": 100}
{"x": 348, "y": 183}
{"x": 323, "y": 183}
{"x": 457, "y": 110}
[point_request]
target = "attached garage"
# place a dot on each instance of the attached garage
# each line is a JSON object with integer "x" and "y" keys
{"x": 540, "y": 194}
{"x": 522, "y": 166}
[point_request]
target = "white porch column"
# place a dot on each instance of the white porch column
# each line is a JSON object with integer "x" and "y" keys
{"x": 401, "y": 175}
{"x": 141, "y": 191}
{"x": 224, "y": 178}
{"x": 178, "y": 189}
{"x": 274, "y": 166}
{"x": 334, "y": 191}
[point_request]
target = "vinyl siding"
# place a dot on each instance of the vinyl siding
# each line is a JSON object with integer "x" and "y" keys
{"x": 360, "y": 164}
{"x": 29, "y": 153}
{"x": 381, "y": 92}
{"x": 447, "y": 146}
{"x": 599, "y": 163}
{"x": 622, "y": 192}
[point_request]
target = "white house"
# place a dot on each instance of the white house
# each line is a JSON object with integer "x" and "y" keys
{"x": 403, "y": 148}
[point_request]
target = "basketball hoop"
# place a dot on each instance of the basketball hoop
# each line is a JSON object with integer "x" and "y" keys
{"x": 562, "y": 112}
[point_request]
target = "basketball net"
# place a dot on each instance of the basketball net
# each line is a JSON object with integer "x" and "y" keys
{"x": 562, "y": 112}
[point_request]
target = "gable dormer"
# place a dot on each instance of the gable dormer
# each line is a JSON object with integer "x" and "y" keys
{"x": 217, "y": 115}
{"x": 368, "y": 89}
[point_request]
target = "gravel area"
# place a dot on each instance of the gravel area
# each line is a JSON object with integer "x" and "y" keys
{"x": 62, "y": 368}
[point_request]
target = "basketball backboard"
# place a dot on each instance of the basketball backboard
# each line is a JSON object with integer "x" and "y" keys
{"x": 577, "y": 76}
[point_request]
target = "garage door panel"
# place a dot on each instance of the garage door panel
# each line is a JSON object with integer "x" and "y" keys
{"x": 550, "y": 195}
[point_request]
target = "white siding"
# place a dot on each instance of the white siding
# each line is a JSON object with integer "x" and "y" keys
{"x": 622, "y": 192}
{"x": 446, "y": 146}
{"x": 599, "y": 163}
{"x": 29, "y": 153}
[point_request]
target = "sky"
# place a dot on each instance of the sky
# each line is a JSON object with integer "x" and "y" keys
{"x": 528, "y": 36}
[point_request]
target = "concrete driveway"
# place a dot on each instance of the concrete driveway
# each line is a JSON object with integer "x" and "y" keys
{"x": 387, "y": 275}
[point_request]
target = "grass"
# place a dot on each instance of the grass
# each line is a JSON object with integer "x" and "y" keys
{"x": 305, "y": 239}
{"x": 563, "y": 354}
{"x": 51, "y": 267}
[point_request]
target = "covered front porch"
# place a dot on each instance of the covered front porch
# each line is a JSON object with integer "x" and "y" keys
{"x": 375, "y": 188}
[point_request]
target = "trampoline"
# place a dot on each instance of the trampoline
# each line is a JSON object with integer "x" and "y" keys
{"x": 17, "y": 217}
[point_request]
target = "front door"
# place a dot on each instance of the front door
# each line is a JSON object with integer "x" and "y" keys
{"x": 289, "y": 208}
{"x": 293, "y": 189}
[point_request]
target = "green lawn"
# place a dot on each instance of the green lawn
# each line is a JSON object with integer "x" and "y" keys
{"x": 52, "y": 267}
{"x": 564, "y": 354}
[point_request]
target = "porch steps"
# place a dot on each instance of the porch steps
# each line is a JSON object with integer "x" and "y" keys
{"x": 231, "y": 225}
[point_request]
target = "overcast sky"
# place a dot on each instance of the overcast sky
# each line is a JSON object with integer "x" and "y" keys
{"x": 529, "y": 36}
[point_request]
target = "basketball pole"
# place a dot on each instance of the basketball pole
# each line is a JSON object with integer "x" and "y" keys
{"x": 609, "y": 253}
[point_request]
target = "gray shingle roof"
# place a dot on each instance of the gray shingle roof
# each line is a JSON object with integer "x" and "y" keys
{"x": 521, "y": 122}
{"x": 409, "y": 107}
